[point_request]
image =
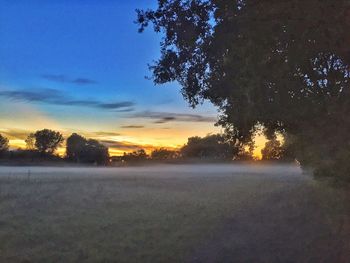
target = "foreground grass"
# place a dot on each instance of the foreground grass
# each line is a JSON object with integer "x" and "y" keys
{"x": 178, "y": 217}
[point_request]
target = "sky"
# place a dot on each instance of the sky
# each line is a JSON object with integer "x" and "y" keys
{"x": 81, "y": 66}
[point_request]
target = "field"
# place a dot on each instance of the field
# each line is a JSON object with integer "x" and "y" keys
{"x": 171, "y": 213}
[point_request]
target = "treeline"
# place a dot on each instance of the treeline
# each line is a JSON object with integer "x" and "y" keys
{"x": 216, "y": 147}
{"x": 43, "y": 144}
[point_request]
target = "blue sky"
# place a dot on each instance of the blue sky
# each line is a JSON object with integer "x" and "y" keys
{"x": 80, "y": 66}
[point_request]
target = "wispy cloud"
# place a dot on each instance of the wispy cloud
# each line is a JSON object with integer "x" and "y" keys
{"x": 56, "y": 97}
{"x": 133, "y": 126}
{"x": 15, "y": 133}
{"x": 65, "y": 79}
{"x": 125, "y": 146}
{"x": 164, "y": 117}
{"x": 104, "y": 133}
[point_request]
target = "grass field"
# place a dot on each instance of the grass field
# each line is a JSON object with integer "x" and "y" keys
{"x": 173, "y": 213}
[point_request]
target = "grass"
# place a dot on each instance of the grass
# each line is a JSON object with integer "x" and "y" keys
{"x": 170, "y": 215}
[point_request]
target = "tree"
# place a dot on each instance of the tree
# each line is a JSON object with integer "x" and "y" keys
{"x": 94, "y": 152}
{"x": 4, "y": 144}
{"x": 47, "y": 141}
{"x": 135, "y": 156}
{"x": 283, "y": 65}
{"x": 75, "y": 146}
{"x": 30, "y": 141}
{"x": 209, "y": 147}
{"x": 163, "y": 154}
{"x": 273, "y": 150}
{"x": 80, "y": 149}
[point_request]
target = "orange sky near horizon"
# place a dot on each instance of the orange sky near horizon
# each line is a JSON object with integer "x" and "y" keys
{"x": 120, "y": 136}
{"x": 20, "y": 143}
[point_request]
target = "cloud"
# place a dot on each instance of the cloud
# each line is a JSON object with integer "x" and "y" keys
{"x": 125, "y": 146}
{"x": 102, "y": 133}
{"x": 125, "y": 110}
{"x": 15, "y": 133}
{"x": 133, "y": 126}
{"x": 116, "y": 105}
{"x": 64, "y": 79}
{"x": 164, "y": 117}
{"x": 55, "y": 97}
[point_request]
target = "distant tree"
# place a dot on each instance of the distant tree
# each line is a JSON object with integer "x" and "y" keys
{"x": 163, "y": 154}
{"x": 94, "y": 152}
{"x": 82, "y": 150}
{"x": 273, "y": 150}
{"x": 209, "y": 147}
{"x": 30, "y": 141}
{"x": 4, "y": 144}
{"x": 47, "y": 141}
{"x": 75, "y": 146}
{"x": 135, "y": 156}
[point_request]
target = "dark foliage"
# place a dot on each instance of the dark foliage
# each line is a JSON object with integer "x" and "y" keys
{"x": 273, "y": 150}
{"x": 4, "y": 144}
{"x": 82, "y": 150}
{"x": 135, "y": 156}
{"x": 30, "y": 142}
{"x": 280, "y": 64}
{"x": 30, "y": 157}
{"x": 214, "y": 147}
{"x": 74, "y": 147}
{"x": 162, "y": 154}
{"x": 47, "y": 141}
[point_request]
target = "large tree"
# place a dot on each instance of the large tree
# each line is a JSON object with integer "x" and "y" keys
{"x": 47, "y": 141}
{"x": 79, "y": 149}
{"x": 75, "y": 147}
{"x": 214, "y": 146}
{"x": 280, "y": 64}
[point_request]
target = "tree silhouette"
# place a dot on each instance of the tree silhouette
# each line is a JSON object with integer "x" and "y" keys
{"x": 94, "y": 152}
{"x": 135, "y": 156}
{"x": 75, "y": 146}
{"x": 30, "y": 141}
{"x": 280, "y": 64}
{"x": 273, "y": 150}
{"x": 47, "y": 141}
{"x": 209, "y": 147}
{"x": 82, "y": 150}
{"x": 163, "y": 154}
{"x": 4, "y": 144}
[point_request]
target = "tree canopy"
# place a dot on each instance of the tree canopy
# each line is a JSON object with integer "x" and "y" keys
{"x": 47, "y": 141}
{"x": 273, "y": 150}
{"x": 163, "y": 154}
{"x": 82, "y": 150}
{"x": 280, "y": 64}
{"x": 214, "y": 146}
{"x": 135, "y": 156}
{"x": 30, "y": 142}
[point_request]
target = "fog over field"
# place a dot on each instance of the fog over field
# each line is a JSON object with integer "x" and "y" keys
{"x": 171, "y": 213}
{"x": 202, "y": 170}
